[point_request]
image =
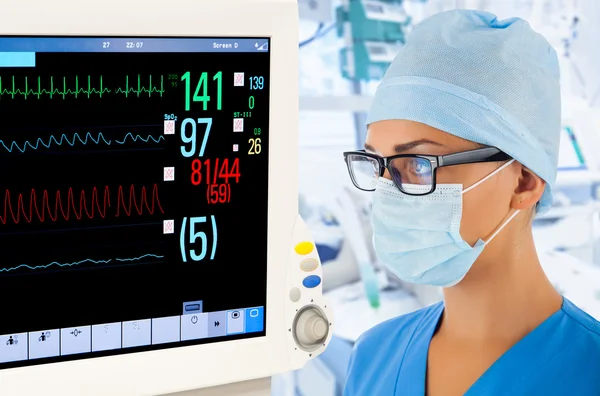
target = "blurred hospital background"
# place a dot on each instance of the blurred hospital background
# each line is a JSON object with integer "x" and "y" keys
{"x": 346, "y": 46}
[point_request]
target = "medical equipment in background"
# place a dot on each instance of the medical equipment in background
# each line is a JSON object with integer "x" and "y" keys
{"x": 569, "y": 226}
{"x": 585, "y": 53}
{"x": 373, "y": 32}
{"x": 316, "y": 10}
{"x": 568, "y": 236}
{"x": 347, "y": 215}
{"x": 165, "y": 270}
{"x": 575, "y": 279}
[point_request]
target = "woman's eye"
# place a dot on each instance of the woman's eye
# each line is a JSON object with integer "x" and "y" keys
{"x": 419, "y": 168}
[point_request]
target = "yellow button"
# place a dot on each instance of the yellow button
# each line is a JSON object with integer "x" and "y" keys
{"x": 304, "y": 248}
{"x": 309, "y": 264}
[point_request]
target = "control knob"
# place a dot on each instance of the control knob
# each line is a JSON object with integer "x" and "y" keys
{"x": 311, "y": 328}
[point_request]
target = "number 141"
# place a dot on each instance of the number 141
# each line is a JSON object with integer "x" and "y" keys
{"x": 202, "y": 85}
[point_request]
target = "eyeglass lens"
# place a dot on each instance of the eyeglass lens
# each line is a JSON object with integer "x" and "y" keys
{"x": 412, "y": 175}
{"x": 364, "y": 171}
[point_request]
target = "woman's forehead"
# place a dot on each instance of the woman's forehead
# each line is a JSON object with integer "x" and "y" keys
{"x": 391, "y": 137}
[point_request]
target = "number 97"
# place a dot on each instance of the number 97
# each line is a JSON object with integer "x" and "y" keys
{"x": 191, "y": 139}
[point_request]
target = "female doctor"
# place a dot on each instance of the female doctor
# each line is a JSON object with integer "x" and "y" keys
{"x": 461, "y": 154}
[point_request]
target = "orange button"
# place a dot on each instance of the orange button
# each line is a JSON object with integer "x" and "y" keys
{"x": 304, "y": 248}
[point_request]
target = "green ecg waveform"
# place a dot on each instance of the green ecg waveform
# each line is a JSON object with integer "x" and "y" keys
{"x": 78, "y": 88}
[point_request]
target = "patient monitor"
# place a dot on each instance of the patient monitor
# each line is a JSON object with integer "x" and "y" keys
{"x": 149, "y": 225}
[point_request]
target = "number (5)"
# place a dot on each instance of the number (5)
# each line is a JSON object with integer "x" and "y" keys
{"x": 194, "y": 235}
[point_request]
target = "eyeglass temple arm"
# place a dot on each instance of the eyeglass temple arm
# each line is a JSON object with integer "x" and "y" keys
{"x": 488, "y": 154}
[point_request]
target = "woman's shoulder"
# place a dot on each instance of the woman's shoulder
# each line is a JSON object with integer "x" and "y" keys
{"x": 582, "y": 327}
{"x": 570, "y": 348}
{"x": 379, "y": 352}
{"x": 582, "y": 321}
{"x": 396, "y": 331}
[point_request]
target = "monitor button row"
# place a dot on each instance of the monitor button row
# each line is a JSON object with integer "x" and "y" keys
{"x": 110, "y": 336}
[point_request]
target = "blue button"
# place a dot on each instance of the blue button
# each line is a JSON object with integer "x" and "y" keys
{"x": 255, "y": 322}
{"x": 192, "y": 307}
{"x": 311, "y": 281}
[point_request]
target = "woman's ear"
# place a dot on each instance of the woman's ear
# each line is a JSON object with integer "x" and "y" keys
{"x": 529, "y": 190}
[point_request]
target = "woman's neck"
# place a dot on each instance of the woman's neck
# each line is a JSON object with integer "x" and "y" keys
{"x": 504, "y": 296}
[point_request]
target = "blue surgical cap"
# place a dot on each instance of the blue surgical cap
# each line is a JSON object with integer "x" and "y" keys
{"x": 490, "y": 81}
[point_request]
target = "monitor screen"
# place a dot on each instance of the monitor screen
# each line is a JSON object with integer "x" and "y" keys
{"x": 134, "y": 207}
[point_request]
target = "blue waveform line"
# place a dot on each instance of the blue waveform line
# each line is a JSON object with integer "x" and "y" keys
{"x": 64, "y": 139}
{"x": 57, "y": 264}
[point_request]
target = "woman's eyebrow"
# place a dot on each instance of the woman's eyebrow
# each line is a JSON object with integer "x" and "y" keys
{"x": 370, "y": 148}
{"x": 400, "y": 148}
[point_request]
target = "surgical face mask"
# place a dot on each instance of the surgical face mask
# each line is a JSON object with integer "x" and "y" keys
{"x": 418, "y": 237}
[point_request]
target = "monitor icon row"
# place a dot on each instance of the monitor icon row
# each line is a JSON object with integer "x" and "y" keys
{"x": 118, "y": 335}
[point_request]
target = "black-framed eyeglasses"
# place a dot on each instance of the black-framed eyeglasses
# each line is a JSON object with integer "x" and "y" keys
{"x": 413, "y": 174}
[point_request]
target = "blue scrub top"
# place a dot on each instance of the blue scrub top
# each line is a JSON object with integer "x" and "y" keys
{"x": 559, "y": 357}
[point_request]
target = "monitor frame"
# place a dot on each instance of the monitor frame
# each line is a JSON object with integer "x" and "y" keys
{"x": 191, "y": 367}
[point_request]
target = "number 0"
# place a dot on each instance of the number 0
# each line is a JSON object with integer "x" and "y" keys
{"x": 251, "y": 102}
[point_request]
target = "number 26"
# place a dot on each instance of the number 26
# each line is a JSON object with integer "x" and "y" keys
{"x": 255, "y": 147}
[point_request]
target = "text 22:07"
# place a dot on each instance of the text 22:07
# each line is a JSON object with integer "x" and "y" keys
{"x": 129, "y": 44}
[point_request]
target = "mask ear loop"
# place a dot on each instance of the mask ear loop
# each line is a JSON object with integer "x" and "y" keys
{"x": 488, "y": 176}
{"x": 512, "y": 216}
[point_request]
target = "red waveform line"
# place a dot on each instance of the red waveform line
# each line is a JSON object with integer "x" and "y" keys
{"x": 84, "y": 207}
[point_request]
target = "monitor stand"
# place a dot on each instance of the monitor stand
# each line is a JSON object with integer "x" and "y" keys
{"x": 259, "y": 387}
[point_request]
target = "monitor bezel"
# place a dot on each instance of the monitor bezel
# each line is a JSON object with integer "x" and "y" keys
{"x": 191, "y": 367}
